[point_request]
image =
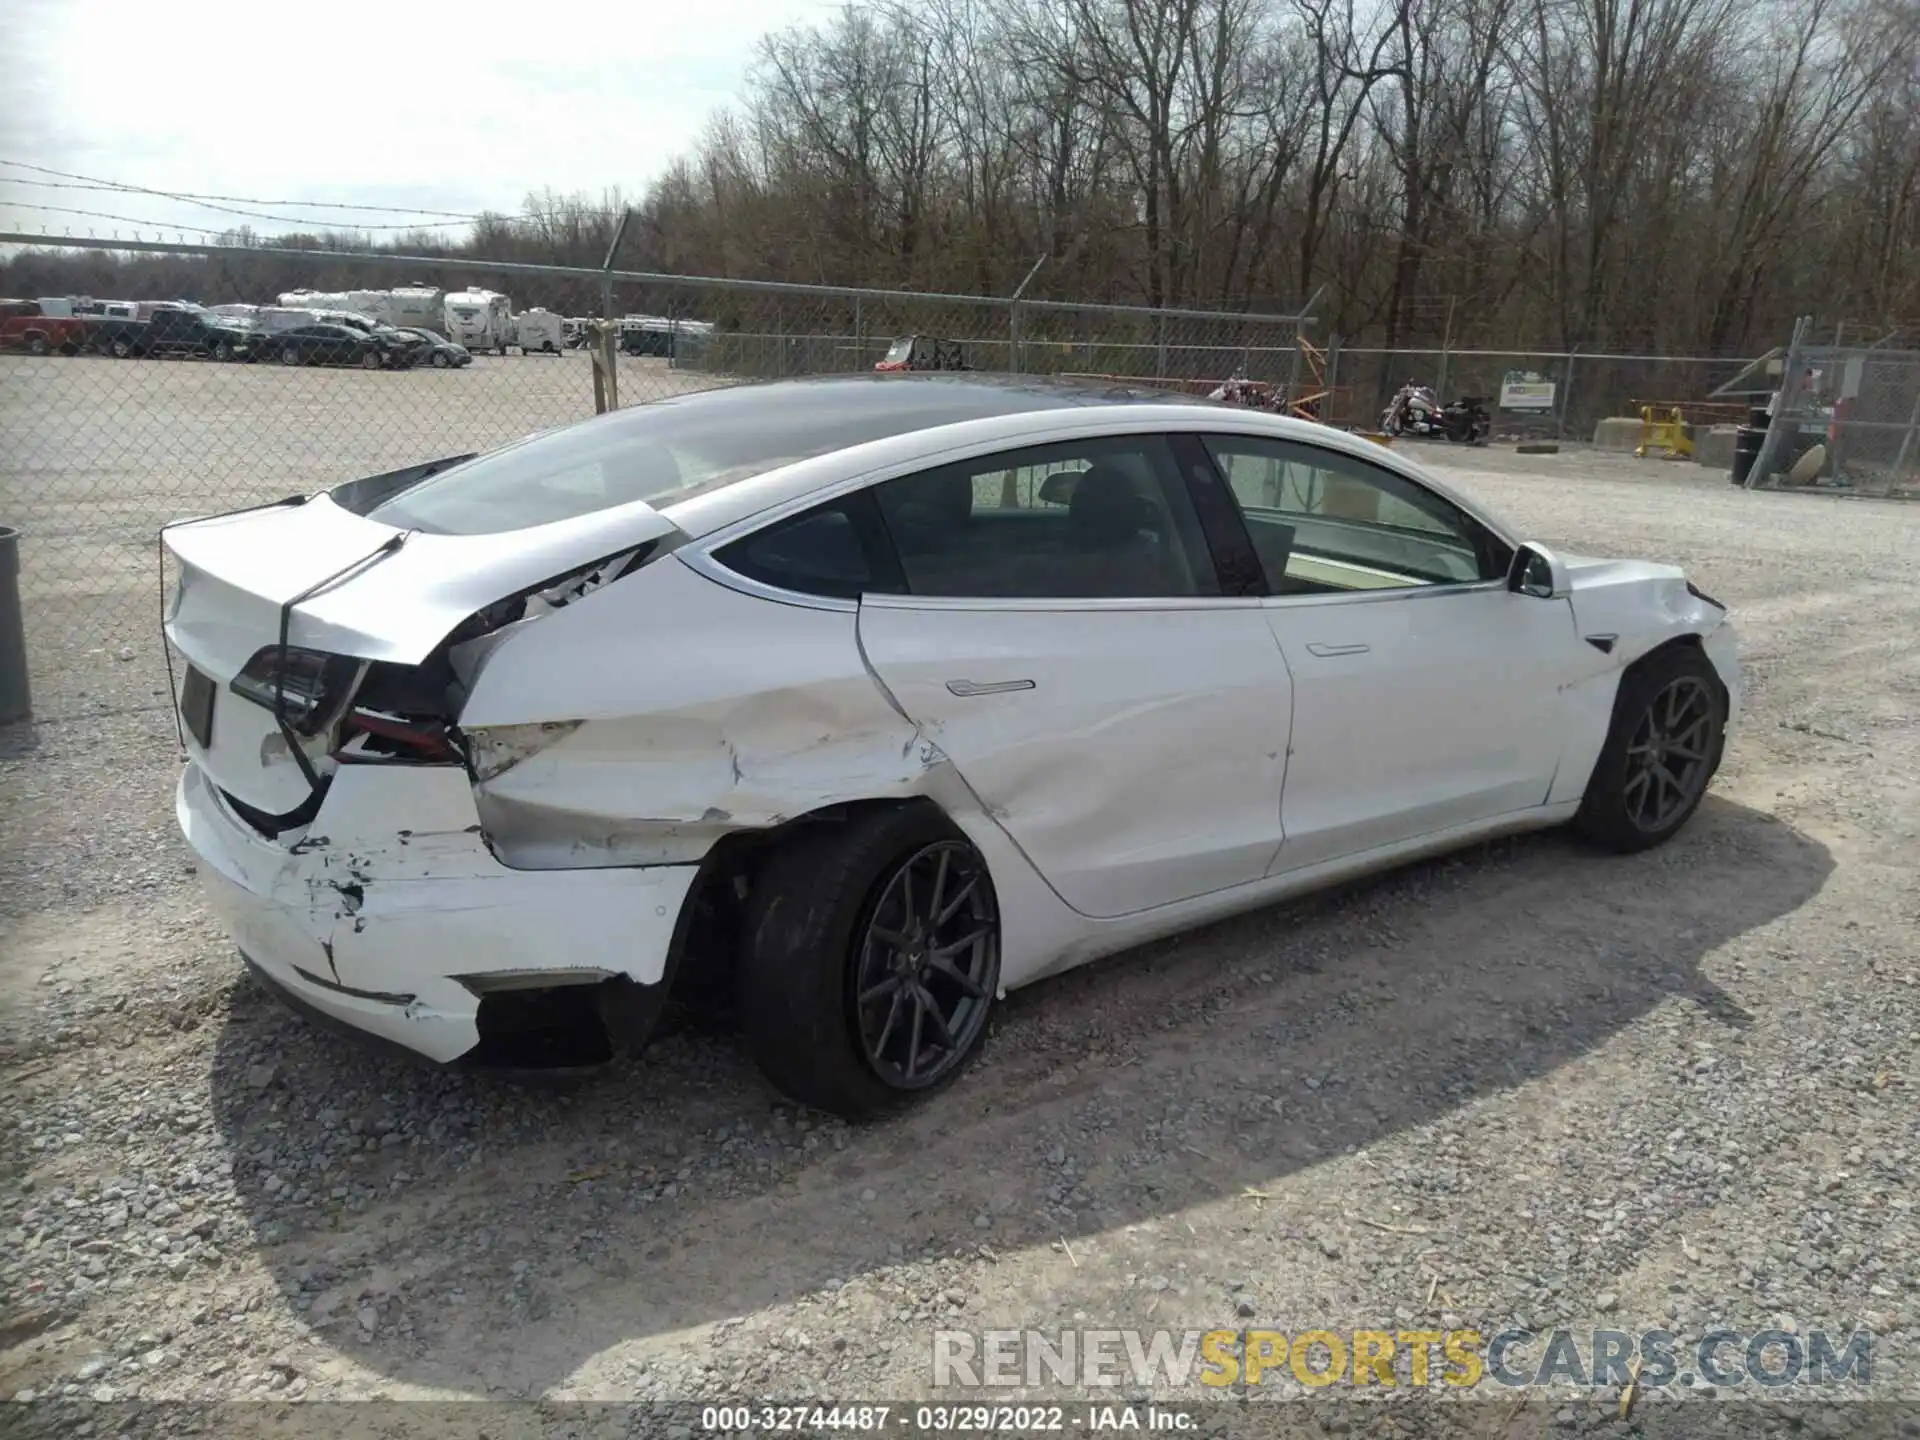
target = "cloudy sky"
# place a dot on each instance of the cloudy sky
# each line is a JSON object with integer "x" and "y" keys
{"x": 444, "y": 104}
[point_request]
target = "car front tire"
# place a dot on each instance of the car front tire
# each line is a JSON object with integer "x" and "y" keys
{"x": 1662, "y": 749}
{"x": 872, "y": 958}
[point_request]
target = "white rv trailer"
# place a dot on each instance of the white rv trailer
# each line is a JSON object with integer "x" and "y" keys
{"x": 480, "y": 320}
{"x": 415, "y": 305}
{"x": 539, "y": 330}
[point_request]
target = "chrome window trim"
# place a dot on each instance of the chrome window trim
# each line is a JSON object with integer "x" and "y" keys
{"x": 704, "y": 565}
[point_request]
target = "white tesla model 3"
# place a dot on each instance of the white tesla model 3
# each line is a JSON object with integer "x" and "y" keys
{"x": 873, "y": 697}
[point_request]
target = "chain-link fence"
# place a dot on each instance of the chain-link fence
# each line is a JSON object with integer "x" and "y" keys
{"x": 1844, "y": 415}
{"x": 1561, "y": 394}
{"x": 119, "y": 414}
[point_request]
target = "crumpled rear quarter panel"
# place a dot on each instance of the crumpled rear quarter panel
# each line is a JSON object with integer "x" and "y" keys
{"x": 701, "y": 711}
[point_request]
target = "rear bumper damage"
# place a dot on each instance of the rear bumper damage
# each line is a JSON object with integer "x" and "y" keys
{"x": 390, "y": 916}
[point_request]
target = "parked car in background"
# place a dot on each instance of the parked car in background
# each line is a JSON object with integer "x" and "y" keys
{"x": 441, "y": 353}
{"x": 399, "y": 349}
{"x": 324, "y": 344}
{"x": 175, "y": 329}
{"x": 25, "y": 326}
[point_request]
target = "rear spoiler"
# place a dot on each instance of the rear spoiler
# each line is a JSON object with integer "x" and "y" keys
{"x": 361, "y": 496}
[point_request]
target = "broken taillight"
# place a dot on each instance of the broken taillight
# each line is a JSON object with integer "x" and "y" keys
{"x": 377, "y": 735}
{"x": 302, "y": 687}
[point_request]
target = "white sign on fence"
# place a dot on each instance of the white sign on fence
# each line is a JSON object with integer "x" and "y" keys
{"x": 1527, "y": 395}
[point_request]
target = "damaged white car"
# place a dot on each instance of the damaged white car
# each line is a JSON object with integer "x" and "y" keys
{"x": 873, "y": 697}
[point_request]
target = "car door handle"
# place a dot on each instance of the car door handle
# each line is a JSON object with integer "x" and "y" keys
{"x": 1327, "y": 652}
{"x": 987, "y": 687}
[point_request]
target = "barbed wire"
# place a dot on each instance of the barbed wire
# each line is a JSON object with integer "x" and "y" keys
{"x": 226, "y": 205}
{"x": 71, "y": 181}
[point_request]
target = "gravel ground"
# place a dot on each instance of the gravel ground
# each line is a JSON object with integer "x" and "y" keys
{"x": 1523, "y": 1085}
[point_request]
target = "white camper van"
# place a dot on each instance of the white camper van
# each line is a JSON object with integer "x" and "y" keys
{"x": 480, "y": 320}
{"x": 275, "y": 318}
{"x": 417, "y": 307}
{"x": 539, "y": 331}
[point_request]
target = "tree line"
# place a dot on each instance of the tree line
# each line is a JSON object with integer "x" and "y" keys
{"x": 1677, "y": 176}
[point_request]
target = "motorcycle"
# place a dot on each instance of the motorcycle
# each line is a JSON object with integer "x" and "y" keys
{"x": 1417, "y": 411}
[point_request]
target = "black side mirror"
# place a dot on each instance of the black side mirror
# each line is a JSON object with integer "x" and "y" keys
{"x": 1538, "y": 572}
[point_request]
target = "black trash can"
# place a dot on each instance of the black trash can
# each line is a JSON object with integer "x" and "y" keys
{"x": 1747, "y": 441}
{"x": 16, "y": 703}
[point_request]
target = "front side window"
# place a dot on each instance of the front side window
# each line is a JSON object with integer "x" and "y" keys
{"x": 1091, "y": 519}
{"x": 1323, "y": 521}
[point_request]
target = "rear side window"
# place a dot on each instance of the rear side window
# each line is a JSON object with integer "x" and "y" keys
{"x": 1106, "y": 518}
{"x": 837, "y": 550}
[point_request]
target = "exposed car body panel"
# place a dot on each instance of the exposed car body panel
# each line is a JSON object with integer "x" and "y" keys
{"x": 681, "y": 743}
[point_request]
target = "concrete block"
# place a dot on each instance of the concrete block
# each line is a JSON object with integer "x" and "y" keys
{"x": 1713, "y": 447}
{"x": 1617, "y": 433}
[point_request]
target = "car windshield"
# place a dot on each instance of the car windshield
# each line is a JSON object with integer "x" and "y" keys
{"x": 667, "y": 451}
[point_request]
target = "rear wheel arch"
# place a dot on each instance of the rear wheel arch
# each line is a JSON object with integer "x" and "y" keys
{"x": 804, "y": 926}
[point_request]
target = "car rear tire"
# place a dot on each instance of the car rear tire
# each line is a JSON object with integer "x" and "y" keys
{"x": 223, "y": 352}
{"x": 289, "y": 355}
{"x": 872, "y": 958}
{"x": 370, "y": 360}
{"x": 1662, "y": 749}
{"x": 37, "y": 345}
{"x": 121, "y": 348}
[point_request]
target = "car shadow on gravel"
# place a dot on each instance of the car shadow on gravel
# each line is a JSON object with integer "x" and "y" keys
{"x": 451, "y": 1230}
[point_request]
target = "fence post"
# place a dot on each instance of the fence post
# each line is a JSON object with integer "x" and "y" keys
{"x": 16, "y": 698}
{"x": 606, "y": 370}
{"x": 1446, "y": 353}
{"x": 859, "y": 337}
{"x": 1013, "y": 336}
{"x": 1333, "y": 376}
{"x": 1566, "y": 396}
{"x": 606, "y": 266}
{"x": 1160, "y": 344}
{"x": 1777, "y": 414}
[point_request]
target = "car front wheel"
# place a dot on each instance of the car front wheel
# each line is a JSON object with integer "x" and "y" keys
{"x": 1664, "y": 745}
{"x": 871, "y": 961}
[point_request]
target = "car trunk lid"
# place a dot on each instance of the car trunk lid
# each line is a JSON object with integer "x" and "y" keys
{"x": 325, "y": 580}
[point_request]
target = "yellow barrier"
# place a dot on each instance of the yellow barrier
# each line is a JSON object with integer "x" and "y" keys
{"x": 1668, "y": 434}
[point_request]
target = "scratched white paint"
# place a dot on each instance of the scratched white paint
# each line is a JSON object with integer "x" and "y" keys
{"x": 392, "y": 891}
